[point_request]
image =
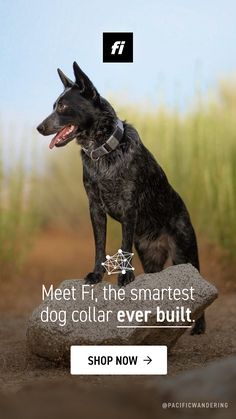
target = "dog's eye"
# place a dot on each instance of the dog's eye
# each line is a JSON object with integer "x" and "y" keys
{"x": 61, "y": 107}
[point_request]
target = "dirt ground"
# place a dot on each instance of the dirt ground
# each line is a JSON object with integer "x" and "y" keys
{"x": 59, "y": 255}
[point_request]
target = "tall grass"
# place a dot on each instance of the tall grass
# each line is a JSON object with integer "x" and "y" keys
{"x": 18, "y": 212}
{"x": 197, "y": 151}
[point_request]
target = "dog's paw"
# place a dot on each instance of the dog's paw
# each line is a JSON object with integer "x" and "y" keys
{"x": 124, "y": 279}
{"x": 200, "y": 327}
{"x": 93, "y": 278}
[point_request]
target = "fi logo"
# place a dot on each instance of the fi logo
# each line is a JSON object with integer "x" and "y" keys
{"x": 117, "y": 47}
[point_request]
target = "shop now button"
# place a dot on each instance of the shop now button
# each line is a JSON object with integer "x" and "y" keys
{"x": 118, "y": 360}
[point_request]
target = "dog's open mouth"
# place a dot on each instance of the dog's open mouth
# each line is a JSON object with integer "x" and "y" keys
{"x": 63, "y": 136}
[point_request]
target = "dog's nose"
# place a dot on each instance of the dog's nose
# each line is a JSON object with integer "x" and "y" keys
{"x": 41, "y": 128}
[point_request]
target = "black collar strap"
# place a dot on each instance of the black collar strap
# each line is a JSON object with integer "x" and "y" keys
{"x": 110, "y": 145}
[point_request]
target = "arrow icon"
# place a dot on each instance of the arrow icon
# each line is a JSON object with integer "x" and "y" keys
{"x": 148, "y": 360}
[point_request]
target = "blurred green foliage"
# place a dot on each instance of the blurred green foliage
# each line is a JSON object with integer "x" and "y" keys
{"x": 197, "y": 150}
{"x": 19, "y": 218}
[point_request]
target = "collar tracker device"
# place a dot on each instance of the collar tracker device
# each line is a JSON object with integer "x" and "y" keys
{"x": 110, "y": 145}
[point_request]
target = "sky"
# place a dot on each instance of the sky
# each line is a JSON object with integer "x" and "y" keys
{"x": 179, "y": 45}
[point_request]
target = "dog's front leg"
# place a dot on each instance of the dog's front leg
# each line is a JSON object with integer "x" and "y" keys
{"x": 128, "y": 227}
{"x": 99, "y": 223}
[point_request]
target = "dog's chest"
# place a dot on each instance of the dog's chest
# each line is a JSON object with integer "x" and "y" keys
{"x": 114, "y": 189}
{"x": 112, "y": 197}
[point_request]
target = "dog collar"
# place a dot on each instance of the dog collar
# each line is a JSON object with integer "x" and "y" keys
{"x": 110, "y": 145}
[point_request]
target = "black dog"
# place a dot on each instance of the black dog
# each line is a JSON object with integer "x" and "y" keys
{"x": 122, "y": 179}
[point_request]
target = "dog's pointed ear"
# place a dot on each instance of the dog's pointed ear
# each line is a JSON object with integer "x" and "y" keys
{"x": 85, "y": 85}
{"x": 65, "y": 80}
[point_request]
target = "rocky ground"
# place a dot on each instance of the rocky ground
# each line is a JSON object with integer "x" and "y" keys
{"x": 54, "y": 258}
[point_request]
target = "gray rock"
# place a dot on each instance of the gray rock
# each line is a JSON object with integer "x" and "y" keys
{"x": 52, "y": 341}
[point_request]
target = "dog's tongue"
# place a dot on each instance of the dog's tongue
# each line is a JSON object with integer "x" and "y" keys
{"x": 60, "y": 135}
{"x": 57, "y": 137}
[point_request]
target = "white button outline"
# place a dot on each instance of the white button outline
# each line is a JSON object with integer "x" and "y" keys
{"x": 158, "y": 353}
